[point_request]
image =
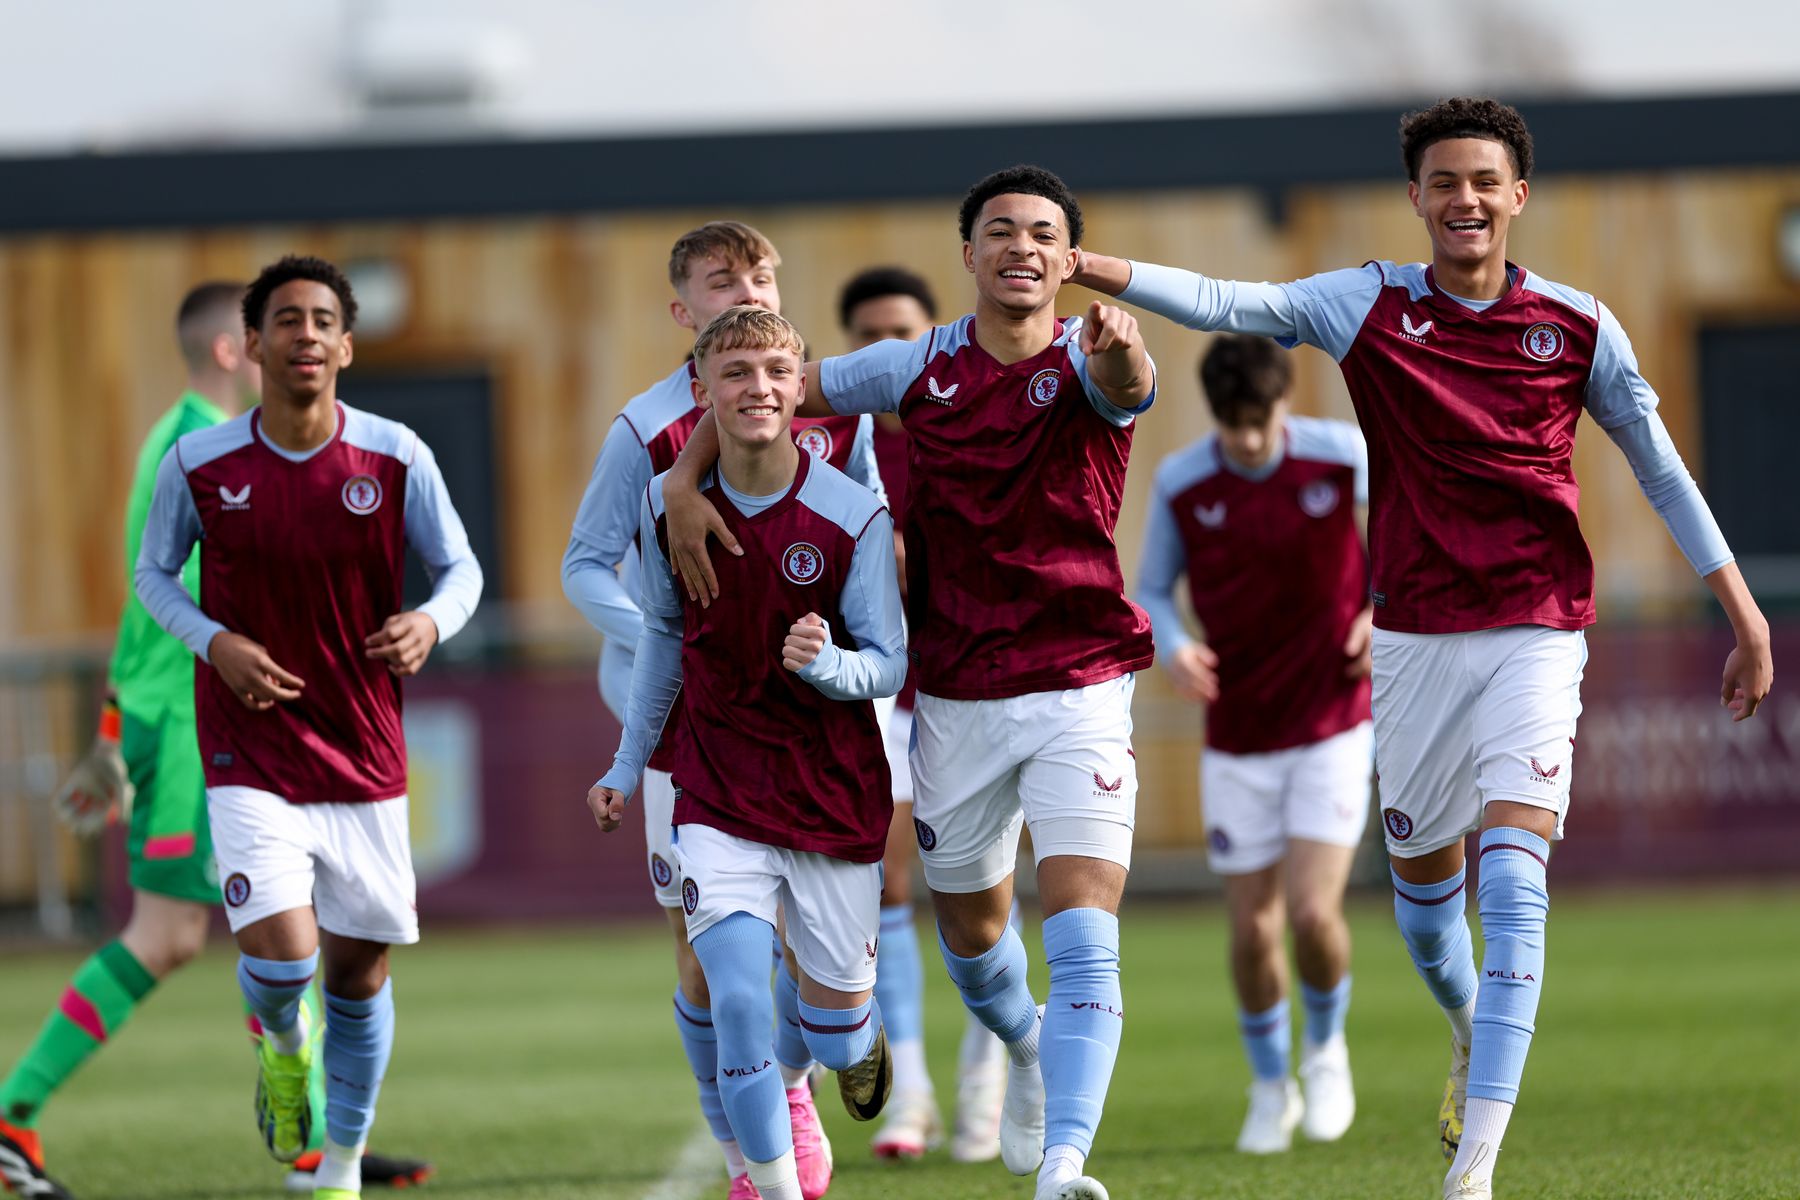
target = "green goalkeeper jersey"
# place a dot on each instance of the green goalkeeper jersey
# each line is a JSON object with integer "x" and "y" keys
{"x": 152, "y": 672}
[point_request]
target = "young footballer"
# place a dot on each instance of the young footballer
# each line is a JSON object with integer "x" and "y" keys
{"x": 1262, "y": 517}
{"x": 1023, "y": 639}
{"x": 717, "y": 266}
{"x": 303, "y": 508}
{"x": 781, "y": 788}
{"x": 883, "y": 304}
{"x": 1469, "y": 374}
{"x": 145, "y": 760}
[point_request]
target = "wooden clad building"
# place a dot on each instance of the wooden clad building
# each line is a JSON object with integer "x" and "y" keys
{"x": 534, "y": 278}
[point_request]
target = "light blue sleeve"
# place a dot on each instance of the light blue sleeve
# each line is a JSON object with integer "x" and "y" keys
{"x": 1360, "y": 472}
{"x": 1617, "y": 394}
{"x": 871, "y": 608}
{"x": 606, "y": 522}
{"x": 1672, "y": 492}
{"x": 656, "y": 673}
{"x": 873, "y": 379}
{"x": 1106, "y": 408}
{"x": 436, "y": 534}
{"x": 1161, "y": 564}
{"x": 862, "y": 466}
{"x": 1623, "y": 403}
{"x": 1325, "y": 310}
{"x": 170, "y": 531}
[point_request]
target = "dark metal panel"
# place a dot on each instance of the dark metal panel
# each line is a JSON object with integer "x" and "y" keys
{"x": 1272, "y": 152}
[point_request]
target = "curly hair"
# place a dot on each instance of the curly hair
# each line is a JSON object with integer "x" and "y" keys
{"x": 288, "y": 269}
{"x": 1243, "y": 377}
{"x": 1466, "y": 117}
{"x": 1026, "y": 181}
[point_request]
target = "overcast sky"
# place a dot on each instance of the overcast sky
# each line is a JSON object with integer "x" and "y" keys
{"x": 114, "y": 74}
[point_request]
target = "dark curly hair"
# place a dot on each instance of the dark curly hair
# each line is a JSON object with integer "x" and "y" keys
{"x": 1465, "y": 116}
{"x": 288, "y": 269}
{"x": 877, "y": 282}
{"x": 1026, "y": 181}
{"x": 1243, "y": 377}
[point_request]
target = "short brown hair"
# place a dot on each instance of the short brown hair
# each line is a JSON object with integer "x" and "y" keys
{"x": 1465, "y": 117}
{"x": 747, "y": 327}
{"x": 735, "y": 242}
{"x": 1243, "y": 376}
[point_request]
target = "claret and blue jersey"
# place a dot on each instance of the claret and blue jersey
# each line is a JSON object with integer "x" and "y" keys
{"x": 1016, "y": 473}
{"x": 1276, "y": 577}
{"x": 1470, "y": 411}
{"x": 793, "y": 759}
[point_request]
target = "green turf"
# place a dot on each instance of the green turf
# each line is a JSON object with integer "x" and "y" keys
{"x": 544, "y": 1064}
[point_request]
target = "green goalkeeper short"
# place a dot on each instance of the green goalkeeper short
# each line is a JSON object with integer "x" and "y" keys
{"x": 170, "y": 844}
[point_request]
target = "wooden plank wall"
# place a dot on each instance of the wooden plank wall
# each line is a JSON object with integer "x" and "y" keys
{"x": 571, "y": 313}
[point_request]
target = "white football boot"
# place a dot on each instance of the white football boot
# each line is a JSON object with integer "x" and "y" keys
{"x": 1330, "y": 1098}
{"x": 1275, "y": 1109}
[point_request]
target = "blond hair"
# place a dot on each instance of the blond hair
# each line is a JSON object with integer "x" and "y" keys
{"x": 736, "y": 243}
{"x": 747, "y": 327}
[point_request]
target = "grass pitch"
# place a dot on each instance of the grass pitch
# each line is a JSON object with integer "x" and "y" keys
{"x": 544, "y": 1065}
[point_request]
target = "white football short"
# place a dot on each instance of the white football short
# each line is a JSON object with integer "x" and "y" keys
{"x": 1060, "y": 762}
{"x": 896, "y": 736}
{"x": 1462, "y": 719}
{"x": 658, "y": 794}
{"x": 352, "y": 863}
{"x": 1252, "y": 804}
{"x": 833, "y": 907}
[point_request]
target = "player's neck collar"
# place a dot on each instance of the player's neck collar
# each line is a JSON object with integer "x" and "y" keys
{"x": 1443, "y": 301}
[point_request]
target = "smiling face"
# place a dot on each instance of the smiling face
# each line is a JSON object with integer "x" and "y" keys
{"x": 302, "y": 343}
{"x": 1467, "y": 193}
{"x": 1019, "y": 252}
{"x": 714, "y": 285}
{"x": 752, "y": 392}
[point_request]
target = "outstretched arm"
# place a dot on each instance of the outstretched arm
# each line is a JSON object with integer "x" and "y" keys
{"x": 1321, "y": 310}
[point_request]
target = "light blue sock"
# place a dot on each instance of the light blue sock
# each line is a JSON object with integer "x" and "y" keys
{"x": 840, "y": 1037}
{"x": 1431, "y": 920}
{"x": 1514, "y": 905}
{"x": 1325, "y": 1010}
{"x": 1267, "y": 1036}
{"x": 359, "y": 1038}
{"x": 1082, "y": 1022}
{"x": 734, "y": 954}
{"x": 900, "y": 976}
{"x": 994, "y": 987}
{"x": 701, "y": 1045}
{"x": 273, "y": 987}
{"x": 790, "y": 1039}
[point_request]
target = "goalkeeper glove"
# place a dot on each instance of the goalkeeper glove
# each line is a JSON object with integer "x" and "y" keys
{"x": 98, "y": 788}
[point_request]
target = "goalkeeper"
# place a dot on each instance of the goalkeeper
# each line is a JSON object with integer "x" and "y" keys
{"x": 147, "y": 747}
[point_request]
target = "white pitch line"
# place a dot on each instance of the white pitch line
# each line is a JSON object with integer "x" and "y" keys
{"x": 695, "y": 1167}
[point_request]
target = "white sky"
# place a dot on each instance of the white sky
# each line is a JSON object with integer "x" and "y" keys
{"x": 108, "y": 74}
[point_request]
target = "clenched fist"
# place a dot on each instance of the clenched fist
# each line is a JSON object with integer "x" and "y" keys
{"x": 806, "y": 640}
